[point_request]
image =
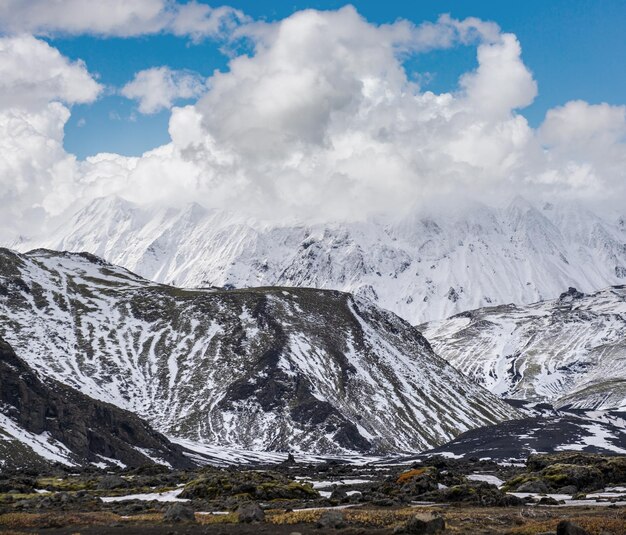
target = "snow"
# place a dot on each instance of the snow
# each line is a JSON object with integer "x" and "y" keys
{"x": 599, "y": 499}
{"x": 488, "y": 478}
{"x": 172, "y": 356}
{"x": 322, "y": 484}
{"x": 42, "y": 444}
{"x": 169, "y": 496}
{"x": 598, "y": 438}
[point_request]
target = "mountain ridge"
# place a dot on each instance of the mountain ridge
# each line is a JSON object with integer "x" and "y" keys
{"x": 281, "y": 369}
{"x": 569, "y": 351}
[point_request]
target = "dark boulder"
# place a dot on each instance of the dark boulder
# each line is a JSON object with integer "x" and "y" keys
{"x": 566, "y": 527}
{"x": 534, "y": 486}
{"x": 423, "y": 525}
{"x": 331, "y": 520}
{"x": 178, "y": 512}
{"x": 250, "y": 512}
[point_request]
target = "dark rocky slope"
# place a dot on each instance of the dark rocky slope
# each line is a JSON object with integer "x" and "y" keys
{"x": 56, "y": 422}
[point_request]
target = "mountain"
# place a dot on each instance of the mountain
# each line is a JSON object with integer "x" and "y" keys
{"x": 276, "y": 369}
{"x": 44, "y": 422}
{"x": 425, "y": 266}
{"x": 570, "y": 351}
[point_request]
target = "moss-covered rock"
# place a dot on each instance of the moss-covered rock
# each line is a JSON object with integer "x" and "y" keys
{"x": 578, "y": 471}
{"x": 247, "y": 485}
{"x": 475, "y": 493}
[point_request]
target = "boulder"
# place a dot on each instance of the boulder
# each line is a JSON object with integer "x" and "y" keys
{"x": 423, "y": 525}
{"x": 534, "y": 486}
{"x": 250, "y": 512}
{"x": 111, "y": 482}
{"x": 566, "y": 527}
{"x": 339, "y": 495}
{"x": 178, "y": 512}
{"x": 331, "y": 520}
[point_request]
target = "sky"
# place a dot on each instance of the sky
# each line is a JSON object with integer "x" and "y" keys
{"x": 316, "y": 110}
{"x": 575, "y": 49}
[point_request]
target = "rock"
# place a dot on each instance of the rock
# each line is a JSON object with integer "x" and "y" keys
{"x": 568, "y": 489}
{"x": 331, "y": 520}
{"x": 535, "y": 486}
{"x": 247, "y": 485}
{"x": 250, "y": 512}
{"x": 112, "y": 482}
{"x": 475, "y": 493}
{"x": 339, "y": 495}
{"x": 423, "y": 525}
{"x": 547, "y": 500}
{"x": 177, "y": 512}
{"x": 289, "y": 461}
{"x": 566, "y": 527}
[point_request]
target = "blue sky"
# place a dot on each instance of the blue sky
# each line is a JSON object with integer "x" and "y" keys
{"x": 575, "y": 48}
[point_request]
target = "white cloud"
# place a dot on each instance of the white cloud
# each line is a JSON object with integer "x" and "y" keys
{"x": 32, "y": 73}
{"x": 33, "y": 164}
{"x": 123, "y": 18}
{"x": 35, "y": 79}
{"x": 159, "y": 87}
{"x": 321, "y": 121}
{"x": 502, "y": 82}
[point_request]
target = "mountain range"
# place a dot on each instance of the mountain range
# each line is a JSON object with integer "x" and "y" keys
{"x": 425, "y": 266}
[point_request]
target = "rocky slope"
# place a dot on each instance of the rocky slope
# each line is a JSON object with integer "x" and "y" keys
{"x": 264, "y": 369}
{"x": 424, "y": 267}
{"x": 543, "y": 431}
{"x": 570, "y": 350}
{"x": 47, "y": 422}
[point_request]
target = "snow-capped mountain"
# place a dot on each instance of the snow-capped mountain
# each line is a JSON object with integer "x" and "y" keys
{"x": 423, "y": 267}
{"x": 278, "y": 369}
{"x": 570, "y": 351}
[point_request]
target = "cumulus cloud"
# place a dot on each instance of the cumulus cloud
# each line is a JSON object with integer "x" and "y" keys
{"x": 321, "y": 121}
{"x": 120, "y": 18}
{"x": 33, "y": 73}
{"x": 36, "y": 84}
{"x": 158, "y": 88}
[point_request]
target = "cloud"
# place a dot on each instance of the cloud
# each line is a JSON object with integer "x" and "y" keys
{"x": 33, "y": 166}
{"x": 117, "y": 18}
{"x": 158, "y": 88}
{"x": 320, "y": 121}
{"x": 502, "y": 82}
{"x": 585, "y": 146}
{"x": 32, "y": 73}
{"x": 36, "y": 84}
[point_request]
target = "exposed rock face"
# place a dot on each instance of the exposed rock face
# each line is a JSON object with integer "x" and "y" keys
{"x": 278, "y": 369}
{"x": 77, "y": 429}
{"x": 569, "y": 351}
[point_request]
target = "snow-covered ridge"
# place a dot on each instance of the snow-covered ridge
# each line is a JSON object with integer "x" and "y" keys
{"x": 570, "y": 351}
{"x": 424, "y": 267}
{"x": 277, "y": 369}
